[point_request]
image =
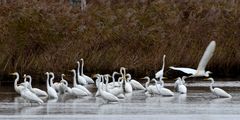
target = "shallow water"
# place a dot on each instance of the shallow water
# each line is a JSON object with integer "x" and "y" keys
{"x": 198, "y": 104}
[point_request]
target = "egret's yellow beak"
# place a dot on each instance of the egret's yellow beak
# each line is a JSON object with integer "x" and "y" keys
{"x": 164, "y": 78}
{"x": 10, "y": 73}
{"x": 95, "y": 75}
{"x": 206, "y": 79}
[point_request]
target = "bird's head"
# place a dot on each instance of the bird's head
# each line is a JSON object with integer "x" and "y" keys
{"x": 96, "y": 75}
{"x": 146, "y": 77}
{"x": 208, "y": 73}
{"x": 72, "y": 70}
{"x": 15, "y": 73}
{"x": 208, "y": 79}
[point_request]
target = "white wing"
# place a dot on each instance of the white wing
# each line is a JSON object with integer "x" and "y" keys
{"x": 221, "y": 93}
{"x": 185, "y": 70}
{"x": 206, "y": 56}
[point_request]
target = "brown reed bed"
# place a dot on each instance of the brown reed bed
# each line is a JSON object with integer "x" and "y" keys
{"x": 39, "y": 36}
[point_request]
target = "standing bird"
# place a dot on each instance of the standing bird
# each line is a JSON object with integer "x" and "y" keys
{"x": 200, "y": 72}
{"x": 151, "y": 89}
{"x": 88, "y": 79}
{"x": 160, "y": 73}
{"x": 51, "y": 91}
{"x": 128, "y": 87}
{"x": 179, "y": 85}
{"x": 55, "y": 85}
{"x": 135, "y": 84}
{"x": 79, "y": 86}
{"x": 16, "y": 86}
{"x": 36, "y": 91}
{"x": 81, "y": 80}
{"x": 218, "y": 91}
{"x": 28, "y": 95}
{"x": 106, "y": 95}
{"x": 114, "y": 83}
{"x": 73, "y": 91}
{"x": 164, "y": 91}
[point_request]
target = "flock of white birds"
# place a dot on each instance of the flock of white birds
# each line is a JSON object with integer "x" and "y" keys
{"x": 113, "y": 91}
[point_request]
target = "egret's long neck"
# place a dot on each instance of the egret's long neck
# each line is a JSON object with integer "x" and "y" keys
{"x": 48, "y": 81}
{"x": 211, "y": 85}
{"x": 74, "y": 78}
{"x": 147, "y": 83}
{"x": 113, "y": 78}
{"x": 51, "y": 80}
{"x": 183, "y": 81}
{"x": 16, "y": 80}
{"x": 30, "y": 81}
{"x": 155, "y": 81}
{"x": 129, "y": 77}
{"x": 106, "y": 83}
{"x": 78, "y": 70}
{"x": 101, "y": 85}
{"x": 163, "y": 65}
{"x": 82, "y": 67}
{"x": 161, "y": 81}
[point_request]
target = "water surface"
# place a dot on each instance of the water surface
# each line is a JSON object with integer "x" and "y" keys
{"x": 199, "y": 104}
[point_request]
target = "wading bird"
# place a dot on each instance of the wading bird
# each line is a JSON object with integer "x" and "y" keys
{"x": 50, "y": 90}
{"x": 218, "y": 91}
{"x": 135, "y": 84}
{"x": 200, "y": 72}
{"x": 28, "y": 95}
{"x": 179, "y": 85}
{"x": 88, "y": 79}
{"x": 151, "y": 89}
{"x": 81, "y": 80}
{"x": 164, "y": 91}
{"x": 77, "y": 85}
{"x": 36, "y": 91}
{"x": 160, "y": 73}
{"x": 16, "y": 86}
{"x": 106, "y": 95}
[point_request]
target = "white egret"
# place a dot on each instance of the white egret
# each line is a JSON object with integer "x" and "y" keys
{"x": 88, "y": 79}
{"x": 77, "y": 85}
{"x": 81, "y": 80}
{"x": 55, "y": 85}
{"x": 36, "y": 91}
{"x": 73, "y": 91}
{"x": 181, "y": 88}
{"x": 114, "y": 90}
{"x": 114, "y": 83}
{"x": 98, "y": 81}
{"x": 135, "y": 84}
{"x": 160, "y": 73}
{"x": 16, "y": 86}
{"x": 62, "y": 85}
{"x": 164, "y": 91}
{"x": 200, "y": 72}
{"x": 128, "y": 86}
{"x": 50, "y": 90}
{"x": 218, "y": 91}
{"x": 28, "y": 95}
{"x": 25, "y": 80}
{"x": 106, "y": 95}
{"x": 151, "y": 89}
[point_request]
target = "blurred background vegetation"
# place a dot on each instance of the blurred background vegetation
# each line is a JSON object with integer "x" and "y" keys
{"x": 48, "y": 35}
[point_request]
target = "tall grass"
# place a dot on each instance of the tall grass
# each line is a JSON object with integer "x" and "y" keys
{"x": 39, "y": 36}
